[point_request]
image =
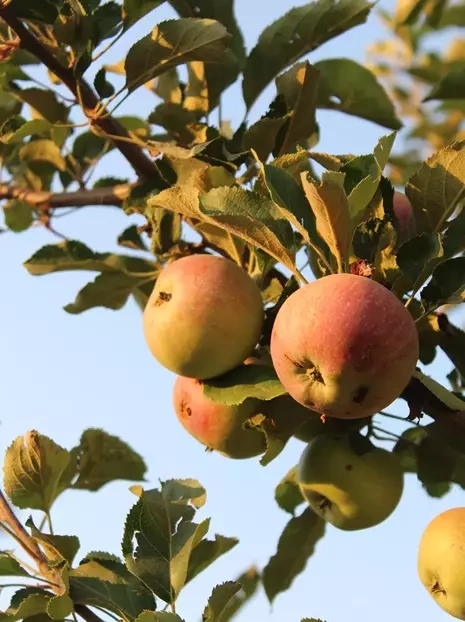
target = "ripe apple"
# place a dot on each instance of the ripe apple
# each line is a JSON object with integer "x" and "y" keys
{"x": 347, "y": 488}
{"x": 344, "y": 346}
{"x": 441, "y": 561}
{"x": 217, "y": 426}
{"x": 403, "y": 211}
{"x": 204, "y": 316}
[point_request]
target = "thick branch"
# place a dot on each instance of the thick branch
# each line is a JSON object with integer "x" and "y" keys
{"x": 143, "y": 166}
{"x": 112, "y": 195}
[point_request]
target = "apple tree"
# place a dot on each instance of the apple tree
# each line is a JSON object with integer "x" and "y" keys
{"x": 294, "y": 293}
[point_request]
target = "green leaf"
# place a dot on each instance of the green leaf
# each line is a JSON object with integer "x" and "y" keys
{"x": 418, "y": 256}
{"x": 351, "y": 88}
{"x": 18, "y": 215}
{"x": 290, "y": 198}
{"x": 220, "y": 238}
{"x": 252, "y": 218}
{"x": 275, "y": 443}
{"x": 299, "y": 86}
{"x": 36, "y": 471}
{"x": 218, "y": 76}
{"x": 330, "y": 206}
{"x": 447, "y": 285}
{"x": 295, "y": 546}
{"x": 298, "y": 32}
{"x": 57, "y": 548}
{"x": 131, "y": 238}
{"x": 103, "y": 581}
{"x": 166, "y": 230}
{"x": 158, "y": 539}
{"x": 101, "y": 84}
{"x": 249, "y": 582}
{"x": 74, "y": 255}
{"x": 104, "y": 458}
{"x": 60, "y": 607}
{"x": 219, "y": 600}
{"x": 451, "y": 86}
{"x": 207, "y": 552}
{"x": 243, "y": 382}
{"x": 134, "y": 10}
{"x": 262, "y": 136}
{"x": 287, "y": 493}
{"x": 172, "y": 43}
{"x": 9, "y": 567}
{"x": 43, "y": 150}
{"x": 44, "y": 104}
{"x": 436, "y": 188}
{"x": 423, "y": 452}
{"x": 109, "y": 289}
{"x": 29, "y": 128}
{"x": 26, "y": 603}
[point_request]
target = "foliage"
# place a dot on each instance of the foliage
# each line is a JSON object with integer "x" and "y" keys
{"x": 261, "y": 195}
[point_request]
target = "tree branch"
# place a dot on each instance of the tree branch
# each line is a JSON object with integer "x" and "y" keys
{"x": 111, "y": 195}
{"x": 143, "y": 165}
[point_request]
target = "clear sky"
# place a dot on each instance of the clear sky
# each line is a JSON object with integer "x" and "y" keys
{"x": 61, "y": 374}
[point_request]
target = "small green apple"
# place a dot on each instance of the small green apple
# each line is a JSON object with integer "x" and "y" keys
{"x": 349, "y": 482}
{"x": 441, "y": 561}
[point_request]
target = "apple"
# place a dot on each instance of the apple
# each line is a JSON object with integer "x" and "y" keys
{"x": 217, "y": 426}
{"x": 204, "y": 316}
{"x": 344, "y": 346}
{"x": 441, "y": 561}
{"x": 404, "y": 214}
{"x": 350, "y": 489}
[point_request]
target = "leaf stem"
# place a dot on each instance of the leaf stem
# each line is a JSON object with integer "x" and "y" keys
{"x": 8, "y": 517}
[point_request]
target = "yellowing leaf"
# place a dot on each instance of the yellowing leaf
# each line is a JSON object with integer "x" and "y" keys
{"x": 436, "y": 188}
{"x": 330, "y": 206}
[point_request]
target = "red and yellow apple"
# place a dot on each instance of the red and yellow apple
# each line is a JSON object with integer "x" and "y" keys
{"x": 204, "y": 316}
{"x": 344, "y": 346}
{"x": 217, "y": 426}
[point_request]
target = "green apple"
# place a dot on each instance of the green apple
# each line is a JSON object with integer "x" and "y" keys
{"x": 349, "y": 482}
{"x": 441, "y": 561}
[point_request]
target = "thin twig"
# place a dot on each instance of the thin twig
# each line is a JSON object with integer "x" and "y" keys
{"x": 111, "y": 195}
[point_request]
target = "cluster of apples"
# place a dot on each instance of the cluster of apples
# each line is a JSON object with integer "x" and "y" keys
{"x": 343, "y": 346}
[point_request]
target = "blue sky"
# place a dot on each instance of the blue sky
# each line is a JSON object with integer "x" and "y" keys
{"x": 62, "y": 374}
